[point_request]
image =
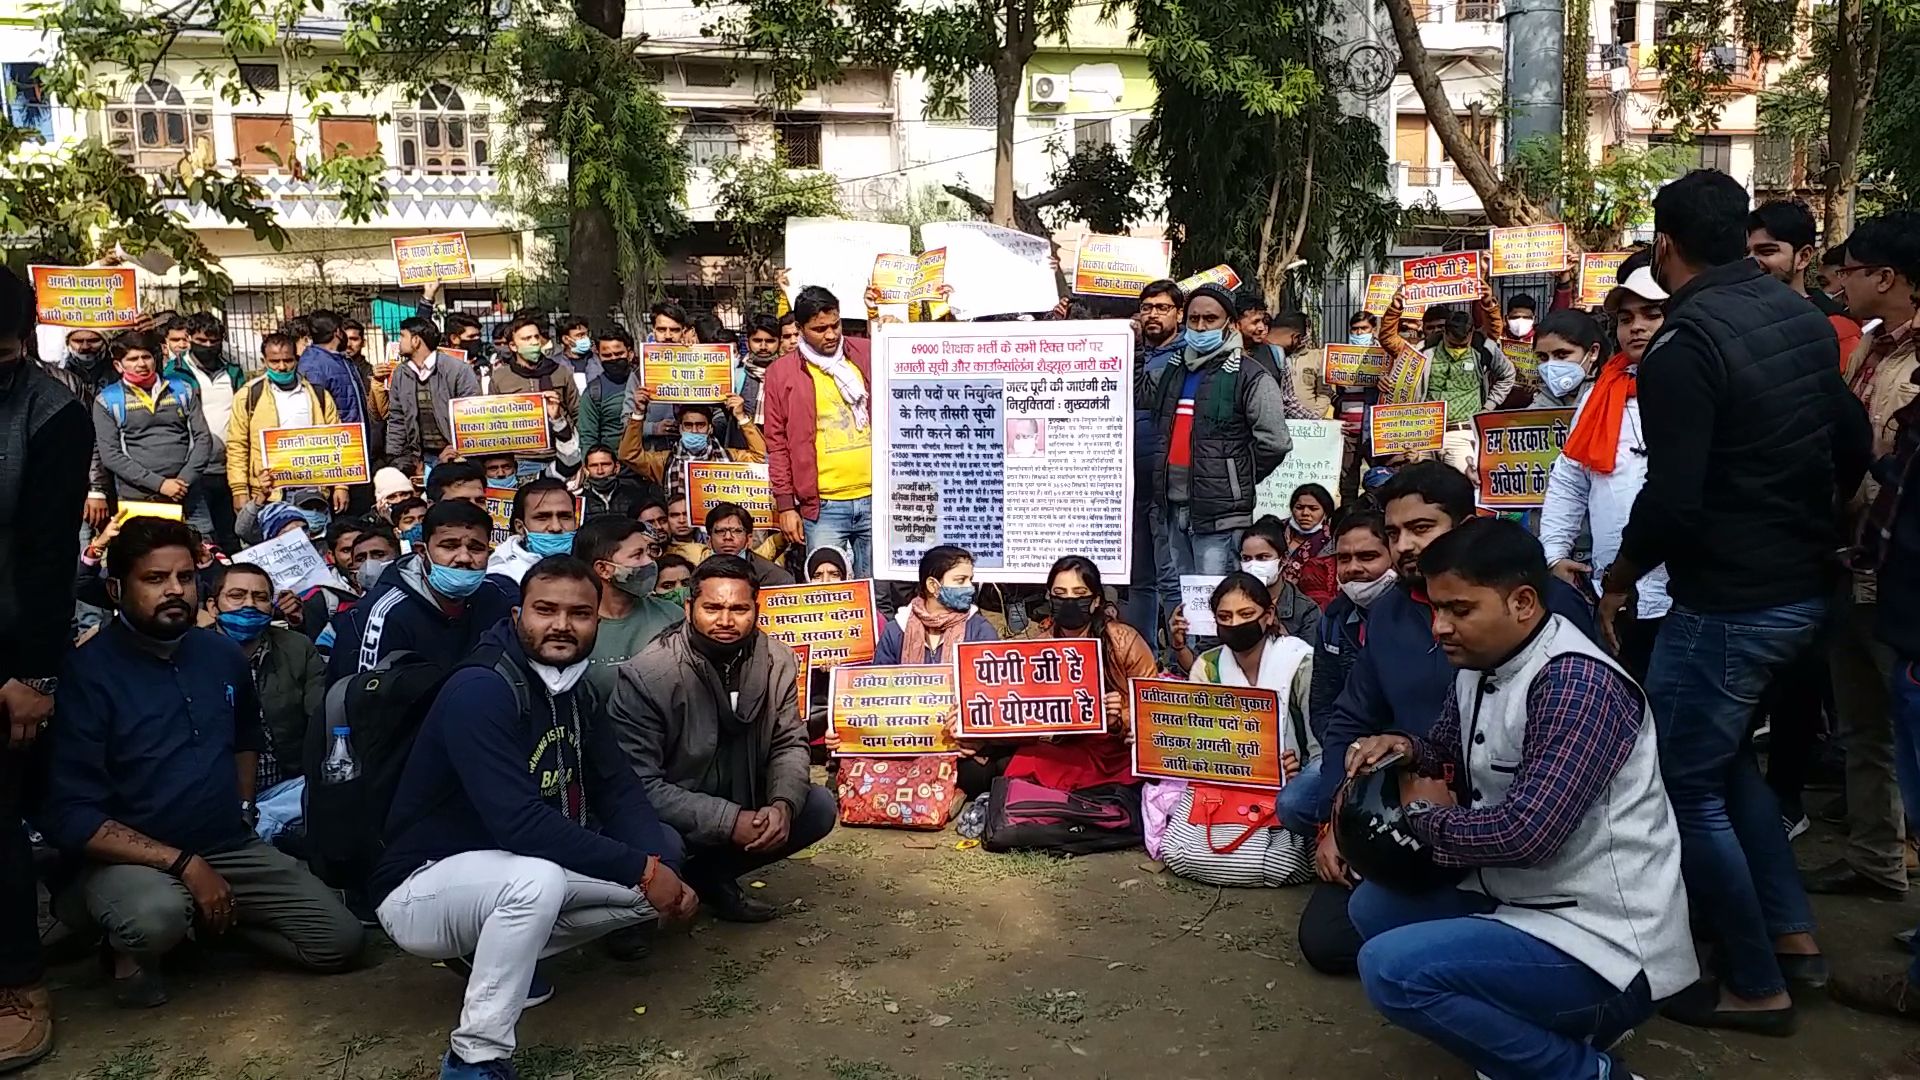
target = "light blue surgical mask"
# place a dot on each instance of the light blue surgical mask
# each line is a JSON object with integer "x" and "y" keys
{"x": 580, "y": 347}
{"x": 1205, "y": 341}
{"x": 544, "y": 544}
{"x": 1562, "y": 377}
{"x": 453, "y": 581}
{"x": 1364, "y": 340}
{"x": 244, "y": 624}
{"x": 956, "y": 597}
{"x": 317, "y": 522}
{"x": 412, "y": 534}
{"x": 693, "y": 442}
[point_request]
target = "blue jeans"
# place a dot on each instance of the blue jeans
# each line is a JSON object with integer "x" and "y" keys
{"x": 1141, "y": 609}
{"x": 846, "y": 524}
{"x": 1303, "y": 801}
{"x": 1500, "y": 999}
{"x": 1704, "y": 681}
{"x": 1904, "y": 694}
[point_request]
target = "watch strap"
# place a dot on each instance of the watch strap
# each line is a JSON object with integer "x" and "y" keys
{"x": 180, "y": 864}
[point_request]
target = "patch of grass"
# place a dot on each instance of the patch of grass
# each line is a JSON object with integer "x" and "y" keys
{"x": 977, "y": 1070}
{"x": 856, "y": 961}
{"x": 846, "y": 843}
{"x": 1265, "y": 1016}
{"x": 954, "y": 990}
{"x": 728, "y": 972}
{"x": 595, "y": 1061}
{"x": 736, "y": 1067}
{"x": 1054, "y": 1006}
{"x": 902, "y": 952}
{"x": 963, "y": 869}
{"x": 843, "y": 1069}
{"x": 135, "y": 1061}
{"x": 721, "y": 1003}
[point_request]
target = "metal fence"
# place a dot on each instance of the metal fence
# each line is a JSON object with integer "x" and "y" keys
{"x": 1333, "y": 303}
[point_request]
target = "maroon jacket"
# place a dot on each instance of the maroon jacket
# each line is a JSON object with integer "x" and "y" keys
{"x": 787, "y": 419}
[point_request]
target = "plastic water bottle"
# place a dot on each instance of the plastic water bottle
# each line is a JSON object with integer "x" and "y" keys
{"x": 340, "y": 765}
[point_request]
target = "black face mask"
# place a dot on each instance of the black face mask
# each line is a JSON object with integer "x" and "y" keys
{"x": 207, "y": 356}
{"x": 1072, "y": 613}
{"x": 718, "y": 652}
{"x": 1242, "y": 636}
{"x": 603, "y": 485}
{"x": 617, "y": 371}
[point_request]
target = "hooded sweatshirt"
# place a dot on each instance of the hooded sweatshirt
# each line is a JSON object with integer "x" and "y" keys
{"x": 400, "y": 612}
{"x": 484, "y": 775}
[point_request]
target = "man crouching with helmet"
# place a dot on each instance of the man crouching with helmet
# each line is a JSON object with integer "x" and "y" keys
{"x": 1570, "y": 919}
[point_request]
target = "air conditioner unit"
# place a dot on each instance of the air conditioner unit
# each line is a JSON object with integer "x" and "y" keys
{"x": 1047, "y": 89}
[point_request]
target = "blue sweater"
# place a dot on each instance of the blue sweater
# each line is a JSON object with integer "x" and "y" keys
{"x": 482, "y": 776}
{"x": 1400, "y": 680}
{"x": 328, "y": 370}
{"x": 400, "y": 613}
{"x": 150, "y": 743}
{"x": 893, "y": 636}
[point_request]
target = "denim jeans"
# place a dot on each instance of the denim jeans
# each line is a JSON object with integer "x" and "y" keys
{"x": 1904, "y": 690}
{"x": 846, "y": 524}
{"x": 1166, "y": 571}
{"x": 1142, "y": 609}
{"x": 1704, "y": 681}
{"x": 1302, "y": 802}
{"x": 1500, "y": 999}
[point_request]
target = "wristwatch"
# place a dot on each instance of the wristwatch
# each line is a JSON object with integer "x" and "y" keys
{"x": 249, "y": 813}
{"x": 45, "y": 686}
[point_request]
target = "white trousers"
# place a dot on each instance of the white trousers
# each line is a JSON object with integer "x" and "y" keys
{"x": 507, "y": 912}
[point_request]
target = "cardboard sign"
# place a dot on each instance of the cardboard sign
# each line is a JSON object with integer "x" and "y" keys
{"x": 324, "y": 454}
{"x": 879, "y": 711}
{"x": 838, "y": 255}
{"x": 1526, "y": 362}
{"x": 85, "y": 297}
{"x": 1221, "y": 275}
{"x": 428, "y": 260}
{"x": 742, "y": 483}
{"x": 1319, "y": 450}
{"x": 893, "y": 276}
{"x": 1353, "y": 365}
{"x": 1196, "y": 595}
{"x": 500, "y": 424}
{"x": 836, "y": 619}
{"x": 675, "y": 374}
{"x": 1527, "y": 249}
{"x": 130, "y": 508}
{"x": 1517, "y": 451}
{"x": 1441, "y": 279}
{"x": 1598, "y": 273}
{"x": 291, "y": 560}
{"x": 1416, "y": 427}
{"x": 1380, "y": 290}
{"x": 994, "y": 270}
{"x": 1119, "y": 265}
{"x": 1214, "y": 734}
{"x": 1029, "y": 687}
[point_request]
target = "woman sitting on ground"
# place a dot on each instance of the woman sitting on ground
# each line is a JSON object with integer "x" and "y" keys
{"x": 1308, "y": 562}
{"x": 941, "y": 615}
{"x": 1262, "y": 556}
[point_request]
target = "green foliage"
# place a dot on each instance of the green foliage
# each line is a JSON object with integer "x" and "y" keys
{"x": 1692, "y": 87}
{"x": 755, "y": 196}
{"x": 1890, "y": 151}
{"x": 1097, "y": 185}
{"x": 1599, "y": 202}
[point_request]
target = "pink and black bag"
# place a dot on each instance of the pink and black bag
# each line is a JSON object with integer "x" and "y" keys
{"x": 1024, "y": 816}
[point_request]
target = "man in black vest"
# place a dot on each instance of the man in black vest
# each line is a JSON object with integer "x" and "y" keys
{"x": 45, "y": 435}
{"x": 1750, "y": 434}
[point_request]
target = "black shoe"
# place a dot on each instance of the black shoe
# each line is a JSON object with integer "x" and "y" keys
{"x": 1839, "y": 878}
{"x": 144, "y": 989}
{"x": 630, "y": 945}
{"x": 1801, "y": 970}
{"x": 1699, "y": 1006}
{"x": 730, "y": 903}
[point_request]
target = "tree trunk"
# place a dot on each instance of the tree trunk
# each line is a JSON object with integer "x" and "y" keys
{"x": 1020, "y": 30}
{"x": 1857, "y": 34}
{"x": 593, "y": 272}
{"x": 1504, "y": 207}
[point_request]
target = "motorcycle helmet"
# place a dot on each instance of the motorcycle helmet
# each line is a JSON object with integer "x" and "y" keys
{"x": 1374, "y": 838}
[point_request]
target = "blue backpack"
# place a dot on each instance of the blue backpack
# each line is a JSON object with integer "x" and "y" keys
{"x": 114, "y": 397}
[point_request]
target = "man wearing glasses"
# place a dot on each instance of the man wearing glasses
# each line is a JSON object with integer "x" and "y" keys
{"x": 729, "y": 528}
{"x": 1160, "y": 340}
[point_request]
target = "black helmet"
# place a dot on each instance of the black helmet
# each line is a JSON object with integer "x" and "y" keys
{"x": 1374, "y": 838}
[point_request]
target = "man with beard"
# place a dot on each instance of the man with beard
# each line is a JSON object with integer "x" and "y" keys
{"x": 151, "y": 778}
{"x": 1160, "y": 340}
{"x": 709, "y": 719}
{"x": 419, "y": 407}
{"x": 631, "y": 614}
{"x": 698, "y": 440}
{"x": 611, "y": 491}
{"x": 491, "y": 863}
{"x": 531, "y": 370}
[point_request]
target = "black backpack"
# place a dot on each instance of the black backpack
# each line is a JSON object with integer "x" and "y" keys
{"x": 1025, "y": 816}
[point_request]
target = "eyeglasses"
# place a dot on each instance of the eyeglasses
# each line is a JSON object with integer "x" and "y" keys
{"x": 1848, "y": 269}
{"x": 728, "y": 530}
{"x": 1157, "y": 309}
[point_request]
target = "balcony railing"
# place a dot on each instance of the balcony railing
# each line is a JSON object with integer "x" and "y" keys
{"x": 1436, "y": 11}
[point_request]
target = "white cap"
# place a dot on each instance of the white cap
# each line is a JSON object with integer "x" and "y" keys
{"x": 391, "y": 481}
{"x": 1640, "y": 283}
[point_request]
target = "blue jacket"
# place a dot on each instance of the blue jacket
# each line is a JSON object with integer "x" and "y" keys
{"x": 1400, "y": 680}
{"x": 150, "y": 743}
{"x": 1343, "y": 629}
{"x": 484, "y": 776}
{"x": 329, "y": 370}
{"x": 399, "y": 612}
{"x": 893, "y": 636}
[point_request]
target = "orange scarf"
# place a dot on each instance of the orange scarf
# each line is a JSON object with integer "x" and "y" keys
{"x": 1595, "y": 440}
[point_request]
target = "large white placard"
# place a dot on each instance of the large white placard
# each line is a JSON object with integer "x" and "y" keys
{"x": 1314, "y": 459}
{"x": 291, "y": 560}
{"x": 839, "y": 254}
{"x": 1012, "y": 440}
{"x": 993, "y": 270}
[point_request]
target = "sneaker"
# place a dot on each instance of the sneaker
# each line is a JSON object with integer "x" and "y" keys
{"x": 453, "y": 1068}
{"x": 1886, "y": 991}
{"x": 539, "y": 990}
{"x": 26, "y": 1025}
{"x": 1796, "y": 827}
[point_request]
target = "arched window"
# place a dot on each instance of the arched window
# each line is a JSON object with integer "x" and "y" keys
{"x": 157, "y": 124}
{"x": 442, "y": 135}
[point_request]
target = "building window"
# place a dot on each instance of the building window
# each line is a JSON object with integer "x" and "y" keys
{"x": 983, "y": 99}
{"x": 1137, "y": 131}
{"x": 1661, "y": 14}
{"x": 801, "y": 140}
{"x": 263, "y": 142}
{"x": 157, "y": 127}
{"x": 358, "y": 136}
{"x": 1091, "y": 134}
{"x": 1626, "y": 21}
{"x": 443, "y": 136}
{"x": 260, "y": 78}
{"x": 27, "y": 104}
{"x": 1477, "y": 10}
{"x": 709, "y": 138}
{"x": 1703, "y": 152}
{"x": 715, "y": 75}
{"x": 1773, "y": 161}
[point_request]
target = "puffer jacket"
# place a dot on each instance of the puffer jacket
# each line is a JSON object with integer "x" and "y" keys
{"x": 1239, "y": 432}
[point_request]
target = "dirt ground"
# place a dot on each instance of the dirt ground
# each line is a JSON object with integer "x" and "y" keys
{"x": 902, "y": 957}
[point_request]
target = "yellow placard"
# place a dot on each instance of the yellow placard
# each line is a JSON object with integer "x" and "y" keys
{"x": 500, "y": 424}
{"x": 1517, "y": 448}
{"x": 710, "y": 483}
{"x": 1119, "y": 265}
{"x": 836, "y": 619}
{"x": 930, "y": 272}
{"x": 893, "y": 276}
{"x": 1598, "y": 270}
{"x": 1440, "y": 279}
{"x": 1207, "y": 732}
{"x": 1222, "y": 275}
{"x": 1527, "y": 249}
{"x": 85, "y": 297}
{"x": 1353, "y": 365}
{"x": 428, "y": 260}
{"x": 1380, "y": 290}
{"x": 893, "y": 710}
{"x": 1526, "y": 362}
{"x": 323, "y": 454}
{"x": 687, "y": 373}
{"x": 1415, "y": 427}
{"x": 133, "y": 509}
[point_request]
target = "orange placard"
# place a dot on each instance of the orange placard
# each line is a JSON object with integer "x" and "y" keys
{"x": 324, "y": 454}
{"x": 1119, "y": 265}
{"x": 835, "y": 618}
{"x": 743, "y": 483}
{"x": 1527, "y": 249}
{"x": 1353, "y": 365}
{"x": 1517, "y": 449}
{"x": 1222, "y": 275}
{"x": 687, "y": 373}
{"x": 881, "y": 711}
{"x": 500, "y": 424}
{"x": 1207, "y": 732}
{"x": 1441, "y": 279}
{"x": 85, "y": 297}
{"x": 1415, "y": 427}
{"x": 1029, "y": 687}
{"x": 427, "y": 260}
{"x": 1598, "y": 271}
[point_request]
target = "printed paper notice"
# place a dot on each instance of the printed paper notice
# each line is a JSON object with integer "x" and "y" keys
{"x": 1441, "y": 279}
{"x": 426, "y": 260}
{"x": 1318, "y": 448}
{"x": 291, "y": 560}
{"x": 893, "y": 276}
{"x": 1119, "y": 265}
{"x": 500, "y": 424}
{"x": 1599, "y": 271}
{"x": 835, "y": 619}
{"x": 1353, "y": 365}
{"x": 89, "y": 297}
{"x": 327, "y": 454}
{"x": 1202, "y": 731}
{"x": 742, "y": 483}
{"x": 1034, "y": 686}
{"x": 838, "y": 254}
{"x": 994, "y": 270}
{"x": 1517, "y": 451}
{"x": 1222, "y": 275}
{"x": 1527, "y": 249}
{"x": 892, "y": 710}
{"x": 1196, "y": 597}
{"x": 1003, "y": 438}
{"x": 674, "y": 374}
{"x": 1416, "y": 427}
